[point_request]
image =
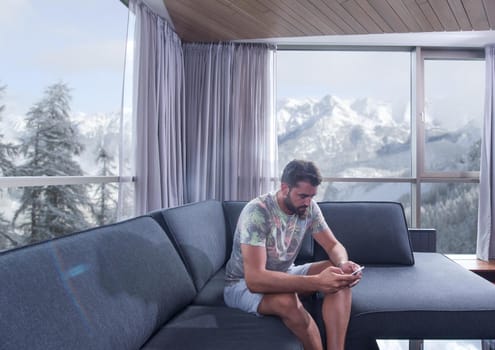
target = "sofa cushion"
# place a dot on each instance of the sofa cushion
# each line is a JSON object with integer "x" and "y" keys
{"x": 434, "y": 299}
{"x": 206, "y": 327}
{"x": 212, "y": 291}
{"x": 198, "y": 230}
{"x": 372, "y": 232}
{"x": 106, "y": 288}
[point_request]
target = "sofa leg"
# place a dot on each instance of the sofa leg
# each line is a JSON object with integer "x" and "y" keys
{"x": 361, "y": 344}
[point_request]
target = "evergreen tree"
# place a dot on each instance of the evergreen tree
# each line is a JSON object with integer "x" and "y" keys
{"x": 104, "y": 210}
{"x": 7, "y": 151}
{"x": 49, "y": 145}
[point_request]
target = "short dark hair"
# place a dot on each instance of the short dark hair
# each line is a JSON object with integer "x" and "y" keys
{"x": 301, "y": 170}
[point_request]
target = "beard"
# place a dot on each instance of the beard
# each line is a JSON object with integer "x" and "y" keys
{"x": 300, "y": 211}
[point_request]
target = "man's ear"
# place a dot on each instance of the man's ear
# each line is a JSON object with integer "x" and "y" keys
{"x": 284, "y": 187}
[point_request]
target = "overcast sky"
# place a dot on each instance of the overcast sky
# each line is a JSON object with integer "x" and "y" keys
{"x": 81, "y": 43}
{"x": 383, "y": 76}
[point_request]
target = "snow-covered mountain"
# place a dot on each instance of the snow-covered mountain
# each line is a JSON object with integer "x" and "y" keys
{"x": 362, "y": 138}
{"x": 343, "y": 136}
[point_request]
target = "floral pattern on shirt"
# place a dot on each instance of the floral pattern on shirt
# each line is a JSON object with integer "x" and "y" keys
{"x": 262, "y": 223}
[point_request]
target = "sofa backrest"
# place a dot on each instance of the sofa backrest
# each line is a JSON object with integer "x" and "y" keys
{"x": 372, "y": 232}
{"x": 110, "y": 287}
{"x": 198, "y": 231}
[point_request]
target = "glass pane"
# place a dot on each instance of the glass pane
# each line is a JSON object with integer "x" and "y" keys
{"x": 347, "y": 111}
{"x": 454, "y": 95}
{"x": 58, "y": 210}
{"x": 451, "y": 209}
{"x": 61, "y": 86}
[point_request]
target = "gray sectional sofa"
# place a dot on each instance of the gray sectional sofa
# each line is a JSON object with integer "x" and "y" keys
{"x": 156, "y": 282}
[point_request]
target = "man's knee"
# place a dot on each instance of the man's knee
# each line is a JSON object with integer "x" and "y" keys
{"x": 287, "y": 306}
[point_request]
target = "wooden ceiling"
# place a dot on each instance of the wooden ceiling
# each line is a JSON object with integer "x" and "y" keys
{"x": 224, "y": 20}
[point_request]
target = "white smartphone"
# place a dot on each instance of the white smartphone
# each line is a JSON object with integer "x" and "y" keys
{"x": 358, "y": 270}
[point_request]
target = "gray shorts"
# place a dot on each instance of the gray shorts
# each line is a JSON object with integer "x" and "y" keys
{"x": 238, "y": 295}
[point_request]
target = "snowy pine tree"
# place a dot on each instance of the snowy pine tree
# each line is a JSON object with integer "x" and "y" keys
{"x": 7, "y": 151}
{"x": 49, "y": 145}
{"x": 105, "y": 208}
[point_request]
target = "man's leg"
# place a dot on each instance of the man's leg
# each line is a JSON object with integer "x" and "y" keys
{"x": 289, "y": 308}
{"x": 336, "y": 311}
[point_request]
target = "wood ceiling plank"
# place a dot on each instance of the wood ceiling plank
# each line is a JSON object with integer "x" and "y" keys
{"x": 460, "y": 14}
{"x": 361, "y": 16}
{"x": 189, "y": 23}
{"x": 247, "y": 25}
{"x": 445, "y": 15}
{"x": 332, "y": 16}
{"x": 388, "y": 14}
{"x": 365, "y": 5}
{"x": 476, "y": 14}
{"x": 490, "y": 12}
{"x": 418, "y": 15}
{"x": 310, "y": 13}
{"x": 336, "y": 10}
{"x": 405, "y": 16}
{"x": 282, "y": 15}
{"x": 286, "y": 10}
{"x": 262, "y": 16}
{"x": 430, "y": 15}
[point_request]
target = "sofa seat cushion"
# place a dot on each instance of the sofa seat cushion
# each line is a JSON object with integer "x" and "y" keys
{"x": 212, "y": 291}
{"x": 434, "y": 299}
{"x": 211, "y": 327}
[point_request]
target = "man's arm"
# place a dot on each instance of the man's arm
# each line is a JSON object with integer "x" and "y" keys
{"x": 261, "y": 280}
{"x": 335, "y": 250}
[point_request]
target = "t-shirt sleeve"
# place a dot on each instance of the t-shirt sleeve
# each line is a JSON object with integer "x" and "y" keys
{"x": 253, "y": 225}
{"x": 318, "y": 222}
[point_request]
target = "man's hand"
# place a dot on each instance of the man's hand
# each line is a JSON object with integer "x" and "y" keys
{"x": 348, "y": 266}
{"x": 333, "y": 279}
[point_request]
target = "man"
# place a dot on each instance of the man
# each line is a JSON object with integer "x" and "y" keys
{"x": 261, "y": 277}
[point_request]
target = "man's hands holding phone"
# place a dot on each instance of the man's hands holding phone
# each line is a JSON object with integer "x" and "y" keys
{"x": 359, "y": 269}
{"x": 336, "y": 278}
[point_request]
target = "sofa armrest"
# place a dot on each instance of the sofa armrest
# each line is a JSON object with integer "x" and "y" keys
{"x": 423, "y": 239}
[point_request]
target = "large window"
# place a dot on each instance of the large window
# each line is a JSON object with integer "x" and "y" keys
{"x": 389, "y": 125}
{"x": 62, "y": 117}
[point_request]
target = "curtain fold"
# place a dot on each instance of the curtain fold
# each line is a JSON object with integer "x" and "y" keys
{"x": 485, "y": 247}
{"x": 231, "y": 146}
{"x": 158, "y": 109}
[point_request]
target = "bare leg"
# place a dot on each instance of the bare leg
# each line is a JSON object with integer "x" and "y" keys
{"x": 336, "y": 314}
{"x": 336, "y": 311}
{"x": 288, "y": 307}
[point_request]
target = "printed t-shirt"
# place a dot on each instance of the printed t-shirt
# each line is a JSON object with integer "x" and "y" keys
{"x": 262, "y": 223}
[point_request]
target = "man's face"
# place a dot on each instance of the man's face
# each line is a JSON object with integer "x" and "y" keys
{"x": 298, "y": 198}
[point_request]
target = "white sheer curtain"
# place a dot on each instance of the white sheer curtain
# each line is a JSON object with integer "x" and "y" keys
{"x": 231, "y": 145}
{"x": 158, "y": 109}
{"x": 486, "y": 213}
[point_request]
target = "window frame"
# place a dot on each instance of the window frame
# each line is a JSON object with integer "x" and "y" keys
{"x": 418, "y": 174}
